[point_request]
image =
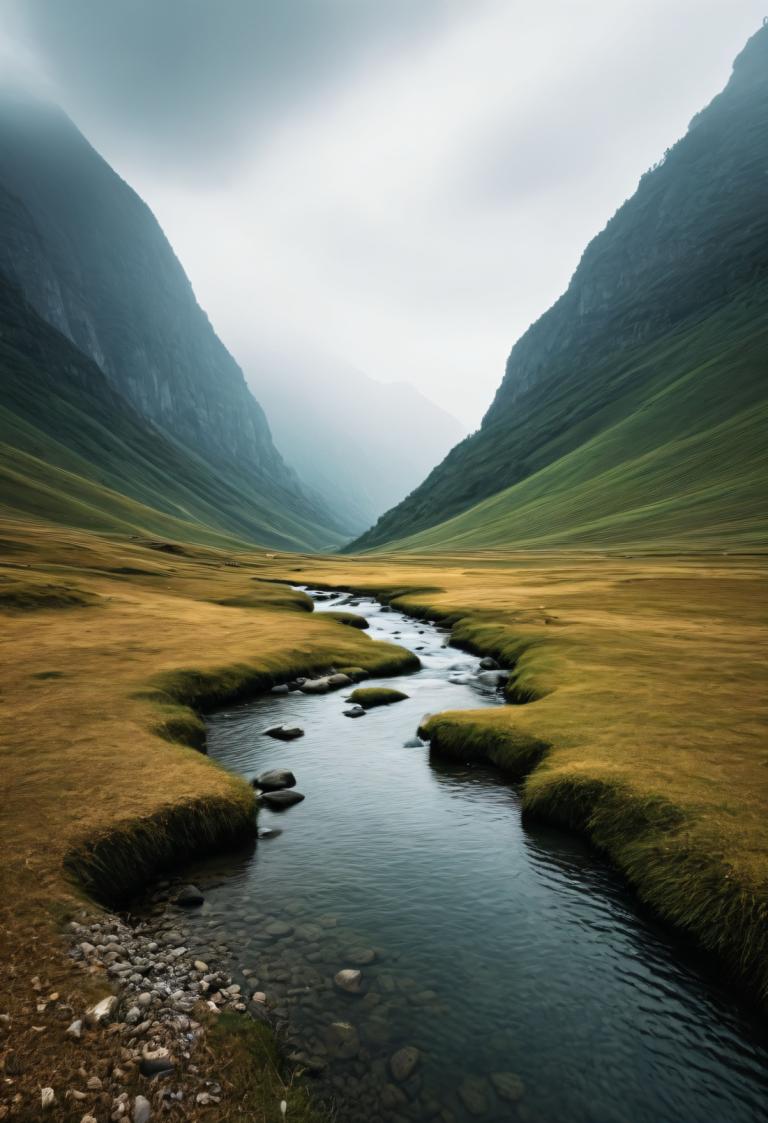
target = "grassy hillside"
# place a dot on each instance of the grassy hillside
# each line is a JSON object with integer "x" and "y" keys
{"x": 618, "y": 418}
{"x": 678, "y": 461}
{"x": 73, "y": 451}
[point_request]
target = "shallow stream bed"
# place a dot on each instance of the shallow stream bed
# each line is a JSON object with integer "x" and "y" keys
{"x": 512, "y": 957}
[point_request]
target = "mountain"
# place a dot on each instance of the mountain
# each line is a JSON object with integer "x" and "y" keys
{"x": 363, "y": 443}
{"x": 91, "y": 261}
{"x": 634, "y": 411}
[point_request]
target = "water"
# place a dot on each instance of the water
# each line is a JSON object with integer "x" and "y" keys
{"x": 499, "y": 948}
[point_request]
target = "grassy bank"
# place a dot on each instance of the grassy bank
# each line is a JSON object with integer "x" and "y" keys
{"x": 641, "y": 689}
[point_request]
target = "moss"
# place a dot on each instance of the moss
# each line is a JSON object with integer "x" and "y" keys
{"x": 355, "y": 673}
{"x": 370, "y": 696}
{"x": 466, "y": 737}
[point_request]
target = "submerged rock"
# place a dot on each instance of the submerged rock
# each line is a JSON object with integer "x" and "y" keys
{"x": 189, "y": 897}
{"x": 349, "y": 980}
{"x": 404, "y": 1063}
{"x": 473, "y": 1093}
{"x": 342, "y": 1040}
{"x": 508, "y": 1085}
{"x": 284, "y": 732}
{"x": 354, "y": 711}
{"x": 276, "y": 779}
{"x": 279, "y": 800}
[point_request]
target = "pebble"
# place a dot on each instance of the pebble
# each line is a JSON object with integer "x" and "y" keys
{"x": 142, "y": 1111}
{"x": 404, "y": 1063}
{"x": 75, "y": 1029}
{"x": 349, "y": 980}
{"x": 47, "y": 1098}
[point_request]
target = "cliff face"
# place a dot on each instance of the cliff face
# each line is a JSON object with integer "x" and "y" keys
{"x": 93, "y": 262}
{"x": 692, "y": 239}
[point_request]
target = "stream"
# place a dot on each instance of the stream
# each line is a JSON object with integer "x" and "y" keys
{"x": 513, "y": 958}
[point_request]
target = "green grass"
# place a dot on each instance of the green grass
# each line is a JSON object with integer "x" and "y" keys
{"x": 370, "y": 696}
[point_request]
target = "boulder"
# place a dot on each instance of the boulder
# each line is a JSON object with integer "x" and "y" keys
{"x": 281, "y": 799}
{"x": 349, "y": 980}
{"x": 316, "y": 685}
{"x": 275, "y": 780}
{"x": 284, "y": 732}
{"x": 189, "y": 897}
{"x": 404, "y": 1063}
{"x": 339, "y": 680}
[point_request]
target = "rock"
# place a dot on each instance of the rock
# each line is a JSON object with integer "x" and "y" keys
{"x": 278, "y": 929}
{"x": 508, "y": 1086}
{"x": 404, "y": 1063}
{"x": 354, "y": 711}
{"x": 76, "y": 1028}
{"x": 268, "y": 832}
{"x": 189, "y": 897}
{"x": 47, "y": 1098}
{"x": 342, "y": 1040}
{"x": 280, "y": 800}
{"x": 259, "y": 997}
{"x": 284, "y": 732}
{"x": 142, "y": 1111}
{"x": 488, "y": 664}
{"x": 93, "y": 1084}
{"x": 316, "y": 685}
{"x": 275, "y": 780}
{"x": 199, "y": 965}
{"x": 102, "y": 1011}
{"x": 473, "y": 1093}
{"x": 339, "y": 680}
{"x": 155, "y": 1066}
{"x": 413, "y": 743}
{"x": 283, "y": 688}
{"x": 89, "y": 1119}
{"x": 362, "y": 957}
{"x": 349, "y": 980}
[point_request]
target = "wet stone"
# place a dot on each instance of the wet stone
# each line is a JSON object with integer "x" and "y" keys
{"x": 404, "y": 1062}
{"x": 473, "y": 1093}
{"x": 508, "y": 1085}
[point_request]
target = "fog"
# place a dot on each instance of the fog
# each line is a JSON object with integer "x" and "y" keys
{"x": 400, "y": 186}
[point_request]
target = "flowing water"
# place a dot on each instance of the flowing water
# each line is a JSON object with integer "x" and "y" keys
{"x": 512, "y": 957}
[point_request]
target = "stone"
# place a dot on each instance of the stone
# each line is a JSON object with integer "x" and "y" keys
{"x": 342, "y": 1041}
{"x": 93, "y": 1084}
{"x": 413, "y": 743}
{"x": 155, "y": 1066}
{"x": 189, "y": 897}
{"x": 278, "y": 929}
{"x": 488, "y": 664}
{"x": 280, "y": 800}
{"x": 316, "y": 685}
{"x": 142, "y": 1111}
{"x": 339, "y": 680}
{"x": 276, "y": 779}
{"x": 284, "y": 732}
{"x": 404, "y": 1063}
{"x": 473, "y": 1093}
{"x": 200, "y": 966}
{"x": 268, "y": 832}
{"x": 88, "y": 1119}
{"x": 508, "y": 1086}
{"x": 361, "y": 957}
{"x": 76, "y": 1028}
{"x": 349, "y": 980}
{"x": 354, "y": 711}
{"x": 47, "y": 1098}
{"x": 102, "y": 1011}
{"x": 283, "y": 688}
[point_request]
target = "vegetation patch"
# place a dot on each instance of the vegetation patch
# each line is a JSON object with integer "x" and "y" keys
{"x": 370, "y": 696}
{"x": 32, "y": 597}
{"x": 351, "y": 619}
{"x": 472, "y": 737}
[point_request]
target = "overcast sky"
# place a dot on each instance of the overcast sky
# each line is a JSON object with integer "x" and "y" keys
{"x": 404, "y": 184}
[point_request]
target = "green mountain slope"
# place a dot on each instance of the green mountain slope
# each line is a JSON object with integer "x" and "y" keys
{"x": 634, "y": 409}
{"x": 73, "y": 451}
{"x": 92, "y": 261}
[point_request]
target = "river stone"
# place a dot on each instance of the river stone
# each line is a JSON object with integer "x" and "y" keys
{"x": 284, "y": 732}
{"x": 413, "y": 743}
{"x": 275, "y": 780}
{"x": 342, "y": 1040}
{"x": 189, "y": 896}
{"x": 488, "y": 664}
{"x": 361, "y": 957}
{"x": 316, "y": 685}
{"x": 279, "y": 800}
{"x": 283, "y": 688}
{"x": 473, "y": 1093}
{"x": 508, "y": 1085}
{"x": 142, "y": 1112}
{"x": 354, "y": 711}
{"x": 349, "y": 980}
{"x": 268, "y": 832}
{"x": 404, "y": 1063}
{"x": 102, "y": 1011}
{"x": 278, "y": 929}
{"x": 339, "y": 680}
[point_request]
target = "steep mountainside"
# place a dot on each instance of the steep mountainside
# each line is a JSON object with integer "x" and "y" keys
{"x": 90, "y": 258}
{"x": 641, "y": 392}
{"x": 365, "y": 443}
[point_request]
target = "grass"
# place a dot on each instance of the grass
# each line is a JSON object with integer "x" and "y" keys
{"x": 351, "y": 619}
{"x": 370, "y": 696}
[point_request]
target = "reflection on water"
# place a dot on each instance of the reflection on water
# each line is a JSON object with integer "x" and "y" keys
{"x": 510, "y": 956}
